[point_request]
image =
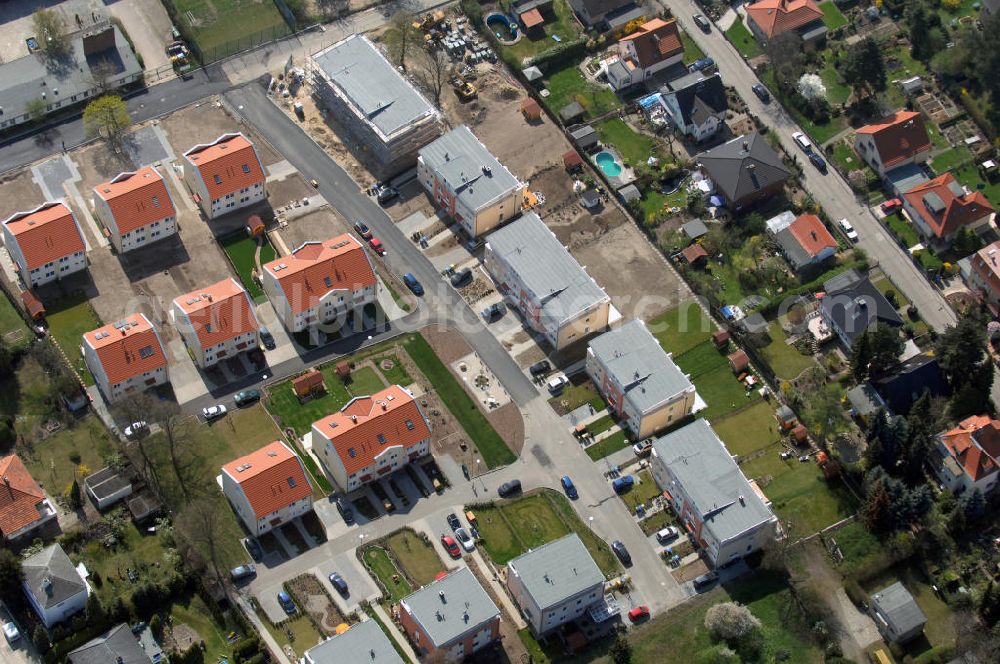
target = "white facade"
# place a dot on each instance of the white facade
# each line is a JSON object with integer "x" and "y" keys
{"x": 140, "y": 382}
{"x": 62, "y": 611}
{"x": 158, "y": 229}
{"x": 49, "y": 272}
{"x": 389, "y": 460}
{"x": 258, "y": 526}
{"x": 331, "y": 306}
{"x": 699, "y": 132}
{"x": 864, "y": 145}
{"x": 207, "y": 357}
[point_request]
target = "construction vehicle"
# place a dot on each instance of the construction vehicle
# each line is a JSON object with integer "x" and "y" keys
{"x": 465, "y": 90}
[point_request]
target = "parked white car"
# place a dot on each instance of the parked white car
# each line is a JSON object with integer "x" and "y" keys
{"x": 465, "y": 539}
{"x": 803, "y": 142}
{"x": 10, "y": 632}
{"x": 848, "y": 229}
{"x": 555, "y": 385}
{"x": 213, "y": 412}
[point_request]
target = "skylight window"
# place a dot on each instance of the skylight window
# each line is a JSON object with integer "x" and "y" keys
{"x": 146, "y": 352}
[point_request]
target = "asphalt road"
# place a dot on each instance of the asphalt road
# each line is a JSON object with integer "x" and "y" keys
{"x": 830, "y": 190}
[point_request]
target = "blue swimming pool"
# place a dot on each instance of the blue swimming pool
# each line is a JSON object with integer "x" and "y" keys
{"x": 609, "y": 164}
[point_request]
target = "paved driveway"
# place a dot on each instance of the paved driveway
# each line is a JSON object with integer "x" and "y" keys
{"x": 360, "y": 585}
{"x": 21, "y": 651}
{"x": 148, "y": 25}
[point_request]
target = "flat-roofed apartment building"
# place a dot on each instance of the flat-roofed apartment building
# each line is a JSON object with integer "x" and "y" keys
{"x": 375, "y": 103}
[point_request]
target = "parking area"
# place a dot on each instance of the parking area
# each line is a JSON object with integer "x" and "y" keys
{"x": 360, "y": 585}
{"x": 148, "y": 25}
{"x": 17, "y": 25}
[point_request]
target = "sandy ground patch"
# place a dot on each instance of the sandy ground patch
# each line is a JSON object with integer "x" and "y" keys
{"x": 205, "y": 122}
{"x": 320, "y": 223}
{"x": 19, "y": 193}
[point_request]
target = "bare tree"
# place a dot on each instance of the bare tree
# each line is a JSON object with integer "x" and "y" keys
{"x": 136, "y": 408}
{"x": 50, "y": 31}
{"x": 401, "y": 37}
{"x": 101, "y": 75}
{"x": 177, "y": 431}
{"x": 199, "y": 524}
{"x": 435, "y": 70}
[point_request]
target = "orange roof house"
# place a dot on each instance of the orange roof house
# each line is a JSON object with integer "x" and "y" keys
{"x": 224, "y": 175}
{"x": 530, "y": 109}
{"x": 136, "y": 208}
{"x": 984, "y": 280}
{"x": 371, "y": 436}
{"x": 939, "y": 207}
{"x": 125, "y": 357}
{"x": 45, "y": 243}
{"x": 532, "y": 19}
{"x": 897, "y": 140}
{"x": 770, "y": 18}
{"x": 806, "y": 241}
{"x": 654, "y": 46}
{"x": 968, "y": 454}
{"x": 319, "y": 281}
{"x": 23, "y": 505}
{"x": 216, "y": 321}
{"x": 268, "y": 487}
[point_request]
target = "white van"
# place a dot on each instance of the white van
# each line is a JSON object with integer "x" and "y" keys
{"x": 556, "y": 385}
{"x": 803, "y": 142}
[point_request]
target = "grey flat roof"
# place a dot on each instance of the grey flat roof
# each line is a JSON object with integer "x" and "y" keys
{"x": 119, "y": 645}
{"x": 638, "y": 362}
{"x": 462, "y": 606}
{"x": 363, "y": 642}
{"x": 53, "y": 564}
{"x": 372, "y": 85}
{"x": 721, "y": 494}
{"x": 25, "y": 79}
{"x": 557, "y": 570}
{"x": 105, "y": 482}
{"x": 546, "y": 268}
{"x": 461, "y": 159}
{"x": 695, "y": 229}
{"x": 898, "y": 605}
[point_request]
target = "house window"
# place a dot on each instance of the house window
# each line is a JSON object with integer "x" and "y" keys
{"x": 218, "y": 179}
{"x": 381, "y": 438}
{"x": 156, "y": 202}
{"x": 291, "y": 482}
{"x": 409, "y": 425}
{"x": 246, "y": 168}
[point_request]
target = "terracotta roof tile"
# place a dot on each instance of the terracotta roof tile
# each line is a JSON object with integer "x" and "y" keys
{"x": 975, "y": 444}
{"x": 899, "y": 137}
{"x": 219, "y": 312}
{"x": 775, "y": 17}
{"x": 811, "y": 234}
{"x": 656, "y": 41}
{"x": 227, "y": 165}
{"x": 137, "y": 199}
{"x": 19, "y": 496}
{"x": 127, "y": 348}
{"x": 945, "y": 206}
{"x": 354, "y": 431}
{"x": 45, "y": 234}
{"x": 316, "y": 268}
{"x": 271, "y": 478}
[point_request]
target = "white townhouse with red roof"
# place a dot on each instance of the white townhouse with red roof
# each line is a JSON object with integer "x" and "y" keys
{"x": 125, "y": 357}
{"x": 896, "y": 140}
{"x": 320, "y": 282}
{"x": 371, "y": 437}
{"x": 45, "y": 243}
{"x": 267, "y": 488}
{"x": 225, "y": 175}
{"x": 136, "y": 209}
{"x": 216, "y": 322}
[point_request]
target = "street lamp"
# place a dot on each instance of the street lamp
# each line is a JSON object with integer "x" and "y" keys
{"x": 481, "y": 480}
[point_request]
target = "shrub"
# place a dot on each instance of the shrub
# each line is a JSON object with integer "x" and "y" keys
{"x": 730, "y": 620}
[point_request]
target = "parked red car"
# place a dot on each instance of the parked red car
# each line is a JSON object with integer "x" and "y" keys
{"x": 376, "y": 245}
{"x": 451, "y": 546}
{"x": 891, "y": 205}
{"x": 638, "y": 613}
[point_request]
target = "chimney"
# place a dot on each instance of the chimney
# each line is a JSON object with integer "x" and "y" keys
{"x": 354, "y": 418}
{"x": 746, "y": 145}
{"x": 47, "y": 586}
{"x": 384, "y": 405}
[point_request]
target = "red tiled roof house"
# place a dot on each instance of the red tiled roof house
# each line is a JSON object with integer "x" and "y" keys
{"x": 897, "y": 140}
{"x": 938, "y": 208}
{"x": 225, "y": 175}
{"x": 805, "y": 241}
{"x": 769, "y": 18}
{"x": 655, "y": 46}
{"x": 966, "y": 457}
{"x": 216, "y": 322}
{"x": 984, "y": 279}
{"x": 371, "y": 437}
{"x": 23, "y": 505}
{"x": 320, "y": 282}
{"x": 125, "y": 357}
{"x": 45, "y": 243}
{"x": 267, "y": 488}
{"x": 136, "y": 208}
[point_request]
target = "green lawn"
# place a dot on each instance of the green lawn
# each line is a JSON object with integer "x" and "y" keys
{"x": 805, "y": 502}
{"x": 858, "y": 545}
{"x": 365, "y": 382}
{"x": 744, "y": 42}
{"x": 748, "y": 430}
{"x": 220, "y": 22}
{"x": 79, "y": 450}
{"x": 68, "y": 320}
{"x": 920, "y": 326}
{"x": 832, "y": 16}
{"x": 682, "y": 328}
{"x": 564, "y": 26}
{"x": 950, "y": 158}
{"x": 722, "y": 392}
{"x": 285, "y": 406}
{"x": 568, "y": 85}
{"x": 13, "y": 330}
{"x": 397, "y": 375}
{"x": 692, "y": 51}
{"x": 297, "y": 631}
{"x": 379, "y": 563}
{"x": 634, "y": 148}
{"x": 903, "y": 229}
{"x": 845, "y": 157}
{"x": 837, "y": 92}
{"x": 940, "y": 628}
{"x": 900, "y": 65}
{"x": 242, "y": 250}
{"x": 785, "y": 360}
{"x": 574, "y": 396}
{"x": 655, "y": 205}
{"x": 701, "y": 359}
{"x": 820, "y": 133}
{"x": 970, "y": 177}
{"x": 193, "y": 612}
{"x": 642, "y": 492}
{"x": 613, "y": 443}
{"x": 415, "y": 555}
{"x": 601, "y": 425}
{"x": 141, "y": 552}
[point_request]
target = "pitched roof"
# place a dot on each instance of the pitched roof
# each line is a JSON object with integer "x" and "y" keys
{"x": 316, "y": 268}
{"x": 723, "y": 499}
{"x": 118, "y": 645}
{"x": 945, "y": 206}
{"x": 45, "y": 234}
{"x": 136, "y": 198}
{"x": 51, "y": 577}
{"x": 598, "y": 8}
{"x": 743, "y": 166}
{"x": 218, "y": 312}
{"x": 908, "y": 382}
{"x": 804, "y": 239}
{"x": 363, "y": 642}
{"x": 127, "y": 348}
{"x": 366, "y": 426}
{"x": 469, "y": 169}
{"x": 556, "y": 571}
{"x": 975, "y": 444}
{"x": 655, "y": 41}
{"x": 700, "y": 98}
{"x": 227, "y": 164}
{"x": 855, "y": 304}
{"x": 546, "y": 269}
{"x": 271, "y": 478}
{"x": 450, "y": 606}
{"x": 898, "y": 137}
{"x": 897, "y": 604}
{"x": 775, "y": 17}
{"x": 19, "y": 496}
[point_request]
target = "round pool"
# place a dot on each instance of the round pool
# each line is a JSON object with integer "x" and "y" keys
{"x": 502, "y": 27}
{"x": 609, "y": 164}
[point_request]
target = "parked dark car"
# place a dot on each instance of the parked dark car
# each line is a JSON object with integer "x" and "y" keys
{"x": 253, "y": 548}
{"x": 246, "y": 397}
{"x": 285, "y": 600}
{"x": 461, "y": 278}
{"x": 453, "y": 521}
{"x": 509, "y": 488}
{"x": 345, "y": 508}
{"x": 623, "y": 484}
{"x": 493, "y": 312}
{"x": 705, "y": 580}
{"x": 337, "y": 581}
{"x": 242, "y": 573}
{"x": 761, "y": 92}
{"x": 386, "y": 194}
{"x": 267, "y": 338}
{"x": 818, "y": 162}
{"x": 623, "y": 555}
{"x": 362, "y": 229}
{"x": 412, "y": 283}
{"x": 569, "y": 487}
{"x": 702, "y": 23}
{"x": 540, "y": 368}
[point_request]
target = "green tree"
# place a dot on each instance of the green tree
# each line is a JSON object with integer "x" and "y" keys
{"x": 861, "y": 357}
{"x": 36, "y": 109}
{"x": 621, "y": 650}
{"x": 41, "y": 639}
{"x": 966, "y": 242}
{"x": 95, "y": 610}
{"x": 920, "y": 37}
{"x": 863, "y": 68}
{"x": 988, "y": 606}
{"x": 10, "y": 575}
{"x": 402, "y": 38}
{"x": 73, "y": 495}
{"x": 961, "y": 348}
{"x": 985, "y": 58}
{"x": 890, "y": 505}
{"x": 107, "y": 117}
{"x": 50, "y": 30}
{"x": 881, "y": 345}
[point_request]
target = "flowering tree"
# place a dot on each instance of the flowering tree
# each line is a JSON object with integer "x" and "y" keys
{"x": 730, "y": 620}
{"x": 811, "y": 87}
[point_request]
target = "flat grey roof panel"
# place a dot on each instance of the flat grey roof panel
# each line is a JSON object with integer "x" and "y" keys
{"x": 475, "y": 174}
{"x": 558, "y": 570}
{"x": 363, "y": 642}
{"x": 451, "y": 606}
